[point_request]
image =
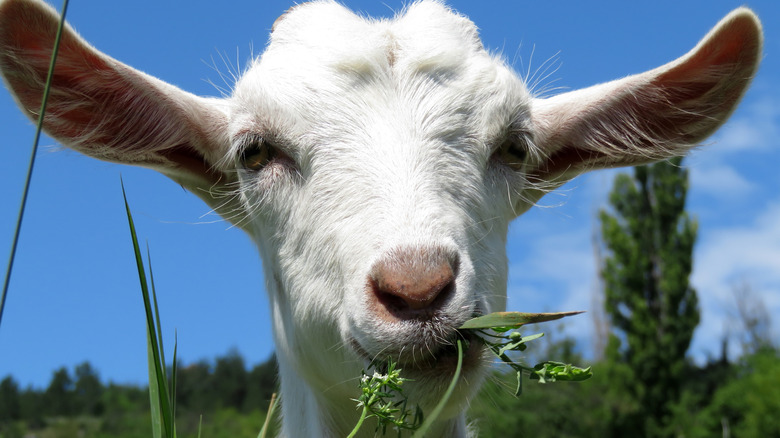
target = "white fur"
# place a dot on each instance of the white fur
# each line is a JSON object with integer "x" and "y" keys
{"x": 396, "y": 133}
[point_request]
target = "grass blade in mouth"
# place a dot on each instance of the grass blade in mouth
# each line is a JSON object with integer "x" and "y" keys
{"x": 512, "y": 320}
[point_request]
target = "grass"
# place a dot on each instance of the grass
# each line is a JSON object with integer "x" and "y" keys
{"x": 265, "y": 431}
{"x": 162, "y": 391}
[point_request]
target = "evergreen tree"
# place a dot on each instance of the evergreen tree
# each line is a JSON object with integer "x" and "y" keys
{"x": 651, "y": 305}
{"x": 88, "y": 390}
{"x": 230, "y": 380}
{"x": 195, "y": 390}
{"x": 59, "y": 395}
{"x": 10, "y": 406}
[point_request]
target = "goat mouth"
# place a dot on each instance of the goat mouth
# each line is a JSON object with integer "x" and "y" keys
{"x": 437, "y": 362}
{"x": 445, "y": 359}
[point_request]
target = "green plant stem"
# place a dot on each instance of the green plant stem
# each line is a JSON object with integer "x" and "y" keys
{"x": 268, "y": 416}
{"x": 36, "y": 140}
{"x": 362, "y": 418}
{"x": 420, "y": 433}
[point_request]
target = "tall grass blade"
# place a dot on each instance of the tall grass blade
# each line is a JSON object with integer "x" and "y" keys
{"x": 36, "y": 140}
{"x": 172, "y": 388}
{"x": 157, "y": 381}
{"x": 159, "y": 365}
{"x": 160, "y": 345}
{"x": 170, "y": 385}
{"x": 154, "y": 391}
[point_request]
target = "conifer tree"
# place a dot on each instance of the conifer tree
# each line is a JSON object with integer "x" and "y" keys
{"x": 652, "y": 308}
{"x": 10, "y": 407}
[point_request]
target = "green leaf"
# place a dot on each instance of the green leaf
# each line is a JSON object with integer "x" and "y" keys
{"x": 518, "y": 345}
{"x": 503, "y": 321}
{"x": 551, "y": 371}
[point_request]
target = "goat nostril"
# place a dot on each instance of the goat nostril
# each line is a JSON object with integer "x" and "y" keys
{"x": 408, "y": 283}
{"x": 412, "y": 291}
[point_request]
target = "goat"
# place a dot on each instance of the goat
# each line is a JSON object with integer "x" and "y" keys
{"x": 377, "y": 165}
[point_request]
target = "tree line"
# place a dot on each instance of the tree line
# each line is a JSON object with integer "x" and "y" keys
{"x": 204, "y": 391}
{"x": 225, "y": 399}
{"x": 720, "y": 398}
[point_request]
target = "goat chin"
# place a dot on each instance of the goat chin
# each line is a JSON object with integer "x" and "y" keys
{"x": 377, "y": 164}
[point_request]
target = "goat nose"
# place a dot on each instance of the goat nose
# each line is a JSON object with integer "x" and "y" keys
{"x": 411, "y": 283}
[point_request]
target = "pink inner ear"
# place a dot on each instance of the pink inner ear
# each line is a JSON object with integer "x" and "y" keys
{"x": 731, "y": 50}
{"x": 27, "y": 35}
{"x": 96, "y": 105}
{"x": 655, "y": 115}
{"x": 110, "y": 111}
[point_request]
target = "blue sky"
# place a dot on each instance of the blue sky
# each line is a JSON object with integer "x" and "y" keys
{"x": 74, "y": 293}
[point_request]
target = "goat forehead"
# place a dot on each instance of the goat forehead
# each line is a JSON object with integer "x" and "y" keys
{"x": 329, "y": 32}
{"x": 329, "y": 73}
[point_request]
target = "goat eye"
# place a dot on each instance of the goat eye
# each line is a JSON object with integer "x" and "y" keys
{"x": 257, "y": 154}
{"x": 512, "y": 153}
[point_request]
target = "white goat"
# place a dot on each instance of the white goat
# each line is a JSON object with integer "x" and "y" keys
{"x": 377, "y": 165}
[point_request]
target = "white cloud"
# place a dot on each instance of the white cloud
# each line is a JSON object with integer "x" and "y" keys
{"x": 557, "y": 273}
{"x": 728, "y": 253}
{"x": 720, "y": 181}
{"x": 755, "y": 126}
{"x": 719, "y": 167}
{"x": 728, "y": 256}
{"x": 738, "y": 165}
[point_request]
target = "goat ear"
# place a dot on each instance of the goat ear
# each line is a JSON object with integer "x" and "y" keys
{"x": 108, "y": 110}
{"x": 651, "y": 116}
